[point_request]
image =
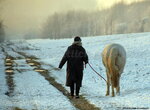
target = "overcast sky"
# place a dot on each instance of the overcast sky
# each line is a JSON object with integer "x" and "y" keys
{"x": 26, "y": 15}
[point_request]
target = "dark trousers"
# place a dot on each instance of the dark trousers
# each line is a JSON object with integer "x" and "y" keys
{"x": 72, "y": 87}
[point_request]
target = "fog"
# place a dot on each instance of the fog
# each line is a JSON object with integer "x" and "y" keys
{"x": 108, "y": 3}
{"x": 23, "y": 16}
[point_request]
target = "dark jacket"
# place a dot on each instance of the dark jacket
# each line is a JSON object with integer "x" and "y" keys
{"x": 76, "y": 57}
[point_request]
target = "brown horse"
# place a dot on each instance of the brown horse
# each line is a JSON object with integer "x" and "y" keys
{"x": 114, "y": 59}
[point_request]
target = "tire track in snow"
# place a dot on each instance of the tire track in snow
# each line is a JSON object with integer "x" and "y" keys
{"x": 9, "y": 71}
{"x": 9, "y": 76}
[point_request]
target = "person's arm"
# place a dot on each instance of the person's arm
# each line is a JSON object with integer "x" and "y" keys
{"x": 85, "y": 57}
{"x": 64, "y": 59}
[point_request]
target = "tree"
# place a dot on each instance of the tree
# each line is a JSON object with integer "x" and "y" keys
{"x": 119, "y": 19}
{"x": 2, "y": 32}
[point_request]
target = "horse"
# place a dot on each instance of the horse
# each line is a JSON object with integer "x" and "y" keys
{"x": 114, "y": 59}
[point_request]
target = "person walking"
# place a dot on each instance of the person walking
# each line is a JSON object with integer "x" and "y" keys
{"x": 76, "y": 57}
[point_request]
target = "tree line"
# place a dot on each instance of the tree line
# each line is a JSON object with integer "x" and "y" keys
{"x": 2, "y": 32}
{"x": 119, "y": 19}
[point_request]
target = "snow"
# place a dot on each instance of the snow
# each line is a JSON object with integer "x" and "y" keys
{"x": 34, "y": 89}
{"x": 37, "y": 93}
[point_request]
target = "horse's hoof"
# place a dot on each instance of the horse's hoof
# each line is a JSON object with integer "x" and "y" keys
{"x": 118, "y": 94}
{"x": 107, "y": 94}
{"x": 113, "y": 95}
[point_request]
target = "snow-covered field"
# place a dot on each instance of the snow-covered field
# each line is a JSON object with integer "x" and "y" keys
{"x": 34, "y": 89}
{"x": 31, "y": 90}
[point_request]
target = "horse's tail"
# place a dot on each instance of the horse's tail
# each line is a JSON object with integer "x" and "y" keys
{"x": 115, "y": 80}
{"x": 113, "y": 67}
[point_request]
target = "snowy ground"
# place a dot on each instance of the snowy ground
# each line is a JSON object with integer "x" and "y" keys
{"x": 31, "y": 90}
{"x": 135, "y": 88}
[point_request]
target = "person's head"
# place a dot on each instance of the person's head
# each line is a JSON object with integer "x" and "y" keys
{"x": 77, "y": 39}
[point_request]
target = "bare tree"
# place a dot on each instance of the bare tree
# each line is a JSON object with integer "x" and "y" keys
{"x": 2, "y": 32}
{"x": 120, "y": 18}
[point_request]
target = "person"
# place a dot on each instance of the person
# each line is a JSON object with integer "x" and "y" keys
{"x": 76, "y": 57}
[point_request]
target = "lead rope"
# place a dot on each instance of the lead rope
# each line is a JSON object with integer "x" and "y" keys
{"x": 97, "y": 73}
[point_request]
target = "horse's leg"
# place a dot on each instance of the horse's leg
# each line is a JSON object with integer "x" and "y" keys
{"x": 112, "y": 88}
{"x": 108, "y": 84}
{"x": 118, "y": 87}
{"x": 118, "y": 90}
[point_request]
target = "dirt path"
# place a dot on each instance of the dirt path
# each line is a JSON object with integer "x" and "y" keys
{"x": 81, "y": 104}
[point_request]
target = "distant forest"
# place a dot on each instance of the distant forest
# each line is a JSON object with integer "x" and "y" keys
{"x": 119, "y": 19}
{"x": 2, "y": 32}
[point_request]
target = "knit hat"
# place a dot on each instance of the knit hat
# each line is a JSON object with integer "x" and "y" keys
{"x": 77, "y": 38}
